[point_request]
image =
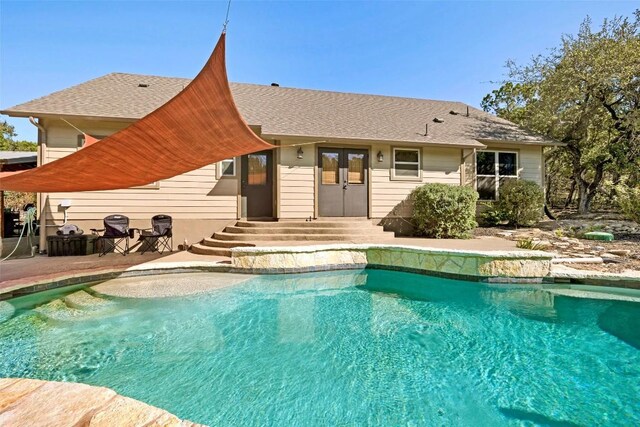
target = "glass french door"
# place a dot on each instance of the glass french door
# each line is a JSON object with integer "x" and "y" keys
{"x": 343, "y": 182}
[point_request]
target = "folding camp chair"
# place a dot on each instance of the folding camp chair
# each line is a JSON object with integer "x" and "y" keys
{"x": 159, "y": 237}
{"x": 115, "y": 232}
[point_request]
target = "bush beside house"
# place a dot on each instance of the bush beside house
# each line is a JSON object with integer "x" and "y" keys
{"x": 521, "y": 202}
{"x": 444, "y": 211}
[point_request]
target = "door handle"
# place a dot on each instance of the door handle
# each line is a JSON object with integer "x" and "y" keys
{"x": 344, "y": 187}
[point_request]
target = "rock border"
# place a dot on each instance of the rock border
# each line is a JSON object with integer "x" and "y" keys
{"x": 460, "y": 264}
{"x": 37, "y": 402}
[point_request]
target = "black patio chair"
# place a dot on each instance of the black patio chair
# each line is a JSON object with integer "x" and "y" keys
{"x": 115, "y": 232}
{"x": 159, "y": 237}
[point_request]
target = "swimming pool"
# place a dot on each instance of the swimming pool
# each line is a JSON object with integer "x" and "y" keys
{"x": 345, "y": 348}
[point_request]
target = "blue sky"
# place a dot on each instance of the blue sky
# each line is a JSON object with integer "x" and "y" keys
{"x": 440, "y": 50}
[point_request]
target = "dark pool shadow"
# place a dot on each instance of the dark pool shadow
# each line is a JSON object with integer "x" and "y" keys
{"x": 536, "y": 418}
{"x": 622, "y": 320}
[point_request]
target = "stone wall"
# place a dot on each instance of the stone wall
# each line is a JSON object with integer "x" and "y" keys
{"x": 473, "y": 265}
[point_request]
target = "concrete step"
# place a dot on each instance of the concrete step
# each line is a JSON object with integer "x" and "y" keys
{"x": 81, "y": 300}
{"x": 304, "y": 230}
{"x": 291, "y": 237}
{"x": 201, "y": 249}
{"x": 208, "y": 241}
{"x": 321, "y": 223}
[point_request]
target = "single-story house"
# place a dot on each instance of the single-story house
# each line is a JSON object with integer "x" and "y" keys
{"x": 338, "y": 154}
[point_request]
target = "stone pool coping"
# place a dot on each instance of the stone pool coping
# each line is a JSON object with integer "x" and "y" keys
{"x": 37, "y": 402}
{"x": 453, "y": 263}
{"x": 341, "y": 256}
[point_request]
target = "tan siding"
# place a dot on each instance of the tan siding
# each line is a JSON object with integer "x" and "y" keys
{"x": 297, "y": 182}
{"x": 193, "y": 195}
{"x": 531, "y": 164}
{"x": 438, "y": 165}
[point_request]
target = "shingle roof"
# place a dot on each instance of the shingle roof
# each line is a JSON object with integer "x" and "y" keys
{"x": 283, "y": 112}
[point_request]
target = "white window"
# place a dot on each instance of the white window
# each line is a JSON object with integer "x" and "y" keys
{"x": 227, "y": 168}
{"x": 494, "y": 168}
{"x": 406, "y": 164}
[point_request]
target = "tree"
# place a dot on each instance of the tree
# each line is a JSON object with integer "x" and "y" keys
{"x": 7, "y": 143}
{"x": 586, "y": 94}
{"x": 12, "y": 199}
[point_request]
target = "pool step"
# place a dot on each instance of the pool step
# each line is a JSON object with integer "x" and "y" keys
{"x": 6, "y": 311}
{"x": 76, "y": 306}
{"x": 84, "y": 301}
{"x": 57, "y": 310}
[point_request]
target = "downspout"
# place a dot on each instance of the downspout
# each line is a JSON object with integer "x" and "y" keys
{"x": 474, "y": 169}
{"x": 42, "y": 145}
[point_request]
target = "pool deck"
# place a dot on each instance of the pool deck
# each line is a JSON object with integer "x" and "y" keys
{"x": 25, "y": 271}
{"x": 26, "y": 275}
{"x": 29, "y": 402}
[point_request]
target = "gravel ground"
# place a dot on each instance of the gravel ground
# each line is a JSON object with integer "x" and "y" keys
{"x": 557, "y": 237}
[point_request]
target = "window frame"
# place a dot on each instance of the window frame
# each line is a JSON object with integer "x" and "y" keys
{"x": 394, "y": 177}
{"x": 220, "y": 171}
{"x": 496, "y": 170}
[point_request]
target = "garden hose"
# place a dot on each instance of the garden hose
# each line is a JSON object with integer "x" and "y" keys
{"x": 29, "y": 218}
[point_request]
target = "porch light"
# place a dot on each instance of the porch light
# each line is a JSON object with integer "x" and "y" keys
{"x": 380, "y": 156}
{"x": 300, "y": 153}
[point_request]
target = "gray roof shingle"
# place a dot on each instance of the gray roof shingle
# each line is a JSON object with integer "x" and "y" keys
{"x": 283, "y": 112}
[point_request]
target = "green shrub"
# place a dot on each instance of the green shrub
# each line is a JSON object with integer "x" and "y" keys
{"x": 630, "y": 204}
{"x": 491, "y": 216}
{"x": 444, "y": 211}
{"x": 521, "y": 202}
{"x": 529, "y": 244}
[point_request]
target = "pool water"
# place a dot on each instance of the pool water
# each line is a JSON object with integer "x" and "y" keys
{"x": 367, "y": 347}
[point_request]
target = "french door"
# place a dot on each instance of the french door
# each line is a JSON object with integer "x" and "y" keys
{"x": 343, "y": 182}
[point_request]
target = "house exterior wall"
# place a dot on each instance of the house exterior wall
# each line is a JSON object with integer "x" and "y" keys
{"x": 201, "y": 201}
{"x": 296, "y": 181}
{"x": 196, "y": 196}
{"x": 438, "y": 165}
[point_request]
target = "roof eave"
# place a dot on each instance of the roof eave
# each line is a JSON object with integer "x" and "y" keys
{"x": 326, "y": 139}
{"x": 50, "y": 115}
{"x": 543, "y": 143}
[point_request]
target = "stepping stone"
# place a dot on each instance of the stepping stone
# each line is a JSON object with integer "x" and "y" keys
{"x": 620, "y": 252}
{"x": 84, "y": 301}
{"x": 6, "y": 311}
{"x": 599, "y": 235}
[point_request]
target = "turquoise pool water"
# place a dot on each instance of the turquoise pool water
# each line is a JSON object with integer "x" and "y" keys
{"x": 365, "y": 347}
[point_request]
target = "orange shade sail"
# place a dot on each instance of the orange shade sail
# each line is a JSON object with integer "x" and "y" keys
{"x": 89, "y": 140}
{"x": 199, "y": 126}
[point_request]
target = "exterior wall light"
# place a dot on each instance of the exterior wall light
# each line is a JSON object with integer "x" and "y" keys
{"x": 380, "y": 156}
{"x": 300, "y": 153}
